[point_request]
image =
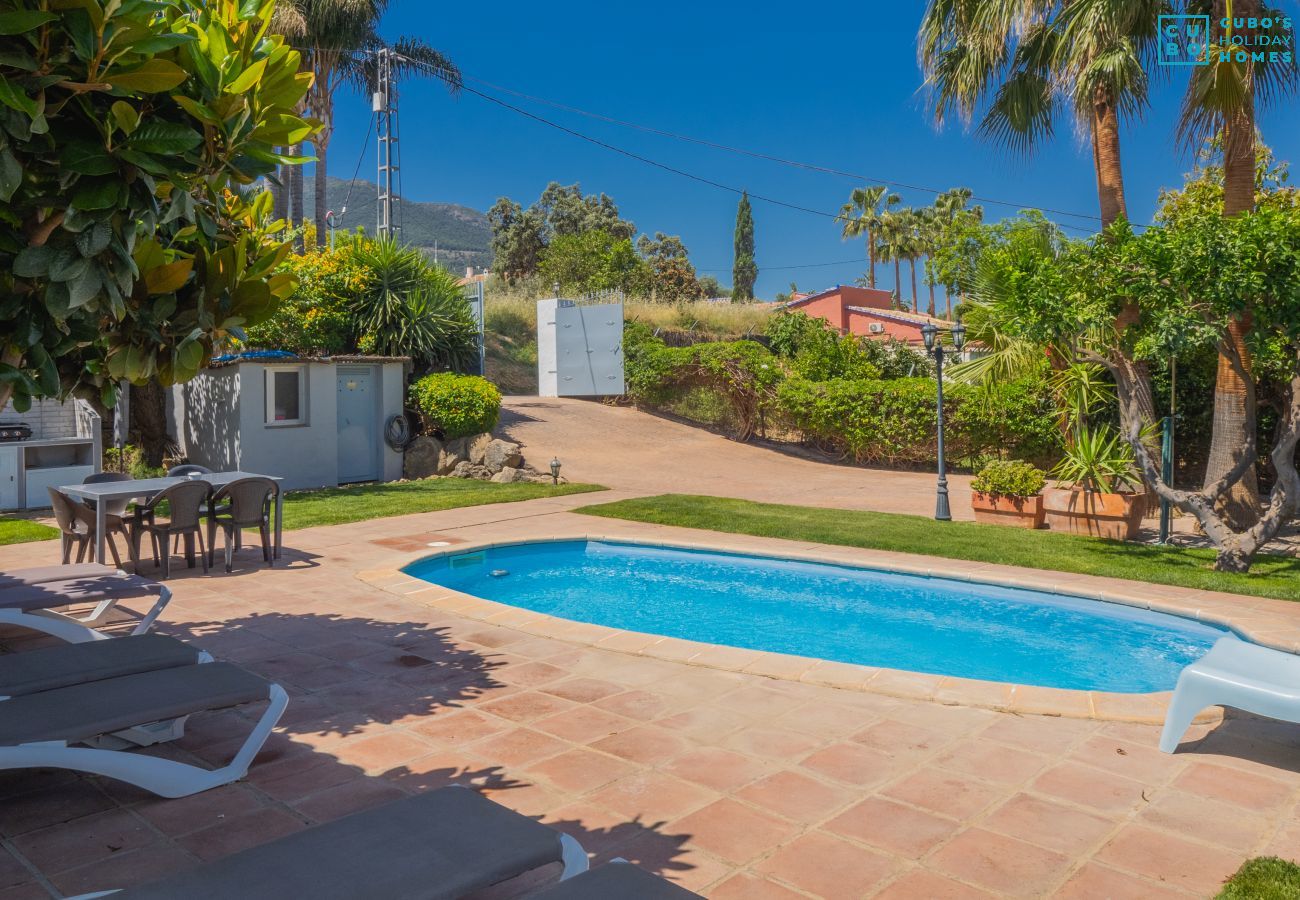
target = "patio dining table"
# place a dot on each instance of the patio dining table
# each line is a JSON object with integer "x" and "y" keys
{"x": 147, "y": 488}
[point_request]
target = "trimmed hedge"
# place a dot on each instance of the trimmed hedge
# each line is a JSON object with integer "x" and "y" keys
{"x": 456, "y": 405}
{"x": 894, "y": 422}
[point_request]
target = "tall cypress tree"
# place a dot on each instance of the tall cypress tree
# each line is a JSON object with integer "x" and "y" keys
{"x": 744, "y": 271}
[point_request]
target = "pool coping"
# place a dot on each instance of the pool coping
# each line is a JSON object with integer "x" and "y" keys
{"x": 1149, "y": 708}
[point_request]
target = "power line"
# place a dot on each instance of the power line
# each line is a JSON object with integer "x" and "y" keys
{"x": 842, "y": 262}
{"x": 664, "y": 166}
{"x": 812, "y": 167}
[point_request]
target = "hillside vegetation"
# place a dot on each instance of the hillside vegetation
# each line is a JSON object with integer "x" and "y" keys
{"x": 462, "y": 234}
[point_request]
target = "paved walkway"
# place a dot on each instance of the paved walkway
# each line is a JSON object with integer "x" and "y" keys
{"x": 625, "y": 448}
{"x": 735, "y": 785}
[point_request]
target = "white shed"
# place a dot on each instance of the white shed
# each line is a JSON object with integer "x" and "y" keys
{"x": 316, "y": 422}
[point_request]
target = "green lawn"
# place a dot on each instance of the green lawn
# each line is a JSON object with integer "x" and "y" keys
{"x": 1264, "y": 878}
{"x": 1271, "y": 576}
{"x": 335, "y": 506}
{"x": 20, "y": 531}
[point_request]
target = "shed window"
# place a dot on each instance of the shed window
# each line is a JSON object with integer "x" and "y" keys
{"x": 286, "y": 396}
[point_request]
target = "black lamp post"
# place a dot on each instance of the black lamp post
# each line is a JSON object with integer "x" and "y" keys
{"x": 934, "y": 346}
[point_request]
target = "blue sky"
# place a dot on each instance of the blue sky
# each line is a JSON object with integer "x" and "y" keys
{"x": 836, "y": 84}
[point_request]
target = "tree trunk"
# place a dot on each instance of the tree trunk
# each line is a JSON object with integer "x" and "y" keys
{"x": 297, "y": 201}
{"x": 1234, "y": 409}
{"x": 898, "y": 281}
{"x": 929, "y": 281}
{"x": 319, "y": 187}
{"x": 280, "y": 191}
{"x": 1105, "y": 156}
{"x": 148, "y": 429}
{"x": 871, "y": 259}
{"x": 916, "y": 299}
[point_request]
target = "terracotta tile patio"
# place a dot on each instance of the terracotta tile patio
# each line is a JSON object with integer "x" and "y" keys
{"x": 735, "y": 785}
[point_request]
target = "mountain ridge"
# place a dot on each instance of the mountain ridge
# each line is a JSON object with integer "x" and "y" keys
{"x": 461, "y": 234}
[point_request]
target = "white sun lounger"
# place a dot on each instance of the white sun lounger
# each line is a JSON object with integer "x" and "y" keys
{"x": 42, "y": 574}
{"x": 37, "y": 730}
{"x": 33, "y": 605}
{"x": 64, "y": 665}
{"x": 439, "y": 845}
{"x": 1239, "y": 674}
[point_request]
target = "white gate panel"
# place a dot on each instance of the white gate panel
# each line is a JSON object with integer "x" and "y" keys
{"x": 579, "y": 349}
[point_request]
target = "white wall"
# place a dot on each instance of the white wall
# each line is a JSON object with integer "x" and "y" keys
{"x": 48, "y": 418}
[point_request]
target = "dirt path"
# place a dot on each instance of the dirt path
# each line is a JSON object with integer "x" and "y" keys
{"x": 631, "y": 450}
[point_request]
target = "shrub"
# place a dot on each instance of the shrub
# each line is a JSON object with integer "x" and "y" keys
{"x": 130, "y": 460}
{"x": 743, "y": 375}
{"x": 456, "y": 405}
{"x": 1012, "y": 478}
{"x": 820, "y": 353}
{"x": 409, "y": 307}
{"x": 315, "y": 320}
{"x": 894, "y": 421}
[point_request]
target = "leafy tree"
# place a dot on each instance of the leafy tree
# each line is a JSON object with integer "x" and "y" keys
{"x": 744, "y": 271}
{"x": 517, "y": 239}
{"x": 954, "y": 243}
{"x": 593, "y": 261}
{"x": 862, "y": 218}
{"x": 1221, "y": 100}
{"x": 672, "y": 277}
{"x": 519, "y": 236}
{"x": 338, "y": 40}
{"x": 131, "y": 243}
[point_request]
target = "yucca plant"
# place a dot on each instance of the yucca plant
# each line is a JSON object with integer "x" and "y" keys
{"x": 1097, "y": 459}
{"x": 411, "y": 308}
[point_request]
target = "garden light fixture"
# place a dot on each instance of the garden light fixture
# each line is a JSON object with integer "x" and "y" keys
{"x": 555, "y": 470}
{"x": 934, "y": 347}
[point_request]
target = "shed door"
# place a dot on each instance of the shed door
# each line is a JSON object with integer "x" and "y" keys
{"x": 358, "y": 424}
{"x": 589, "y": 350}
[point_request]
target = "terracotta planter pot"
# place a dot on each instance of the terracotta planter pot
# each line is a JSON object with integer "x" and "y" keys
{"x": 1114, "y": 516}
{"x": 1003, "y": 509}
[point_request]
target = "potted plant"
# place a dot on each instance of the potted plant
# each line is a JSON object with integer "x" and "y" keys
{"x": 1097, "y": 495}
{"x": 1007, "y": 492}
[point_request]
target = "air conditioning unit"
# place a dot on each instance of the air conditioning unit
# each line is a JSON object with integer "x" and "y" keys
{"x": 876, "y": 328}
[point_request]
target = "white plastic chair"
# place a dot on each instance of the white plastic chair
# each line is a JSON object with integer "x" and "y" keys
{"x": 1238, "y": 674}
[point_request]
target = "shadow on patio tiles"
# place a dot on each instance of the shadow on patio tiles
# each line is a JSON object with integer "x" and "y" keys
{"x": 346, "y": 676}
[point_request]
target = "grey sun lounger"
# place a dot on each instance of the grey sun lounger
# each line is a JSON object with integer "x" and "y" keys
{"x": 618, "y": 879}
{"x": 37, "y": 730}
{"x": 33, "y": 605}
{"x": 65, "y": 665}
{"x": 438, "y": 845}
{"x": 42, "y": 574}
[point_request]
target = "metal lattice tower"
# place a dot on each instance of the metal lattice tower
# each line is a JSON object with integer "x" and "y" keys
{"x": 390, "y": 179}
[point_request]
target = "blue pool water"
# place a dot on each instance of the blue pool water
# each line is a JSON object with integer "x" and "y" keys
{"x": 836, "y": 613}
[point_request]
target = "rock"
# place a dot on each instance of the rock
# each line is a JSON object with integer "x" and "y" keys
{"x": 462, "y": 469}
{"x": 482, "y": 473}
{"x": 453, "y": 453}
{"x": 501, "y": 454}
{"x": 422, "y": 457}
{"x": 508, "y": 475}
{"x": 476, "y": 450}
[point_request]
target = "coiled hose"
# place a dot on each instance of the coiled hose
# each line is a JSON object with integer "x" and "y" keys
{"x": 397, "y": 432}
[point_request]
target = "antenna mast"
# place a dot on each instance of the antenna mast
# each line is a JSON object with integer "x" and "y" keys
{"x": 384, "y": 104}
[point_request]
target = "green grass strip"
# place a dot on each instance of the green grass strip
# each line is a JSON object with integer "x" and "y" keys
{"x": 1263, "y": 878}
{"x": 1271, "y": 576}
{"x": 337, "y": 506}
{"x": 20, "y": 531}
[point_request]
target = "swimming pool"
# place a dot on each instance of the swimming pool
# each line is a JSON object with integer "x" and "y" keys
{"x": 838, "y": 613}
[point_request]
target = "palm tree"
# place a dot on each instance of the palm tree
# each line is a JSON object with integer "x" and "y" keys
{"x": 891, "y": 243}
{"x": 1221, "y": 100}
{"x": 913, "y": 247}
{"x": 338, "y": 40}
{"x": 949, "y": 213}
{"x": 861, "y": 218}
{"x": 1020, "y": 61}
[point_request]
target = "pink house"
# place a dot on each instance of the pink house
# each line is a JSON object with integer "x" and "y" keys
{"x": 864, "y": 311}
